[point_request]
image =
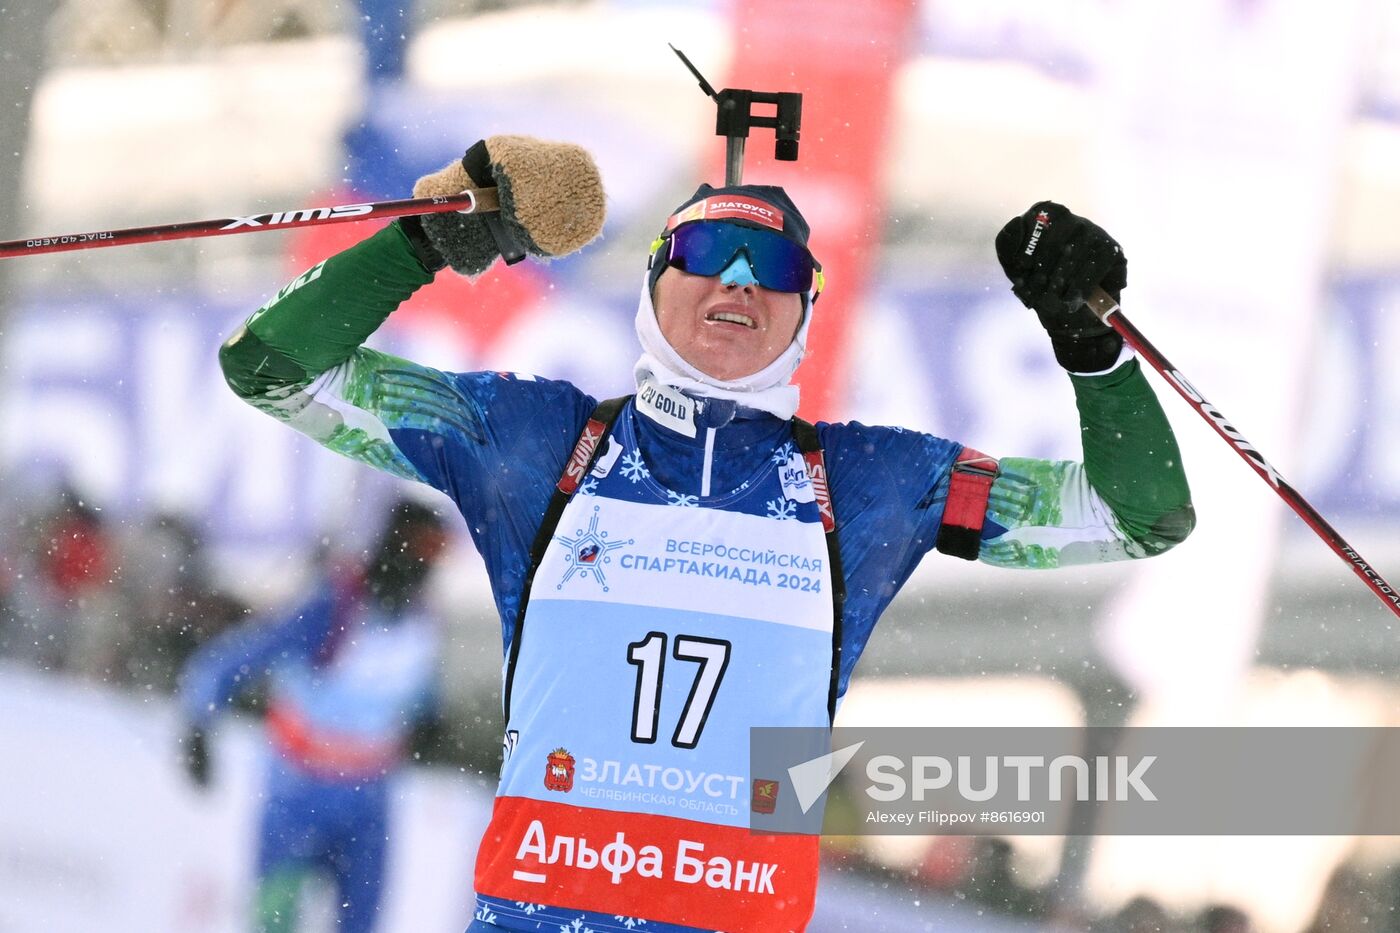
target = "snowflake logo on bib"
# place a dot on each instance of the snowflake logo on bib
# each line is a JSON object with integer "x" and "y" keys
{"x": 633, "y": 468}
{"x": 588, "y": 552}
{"x": 782, "y": 509}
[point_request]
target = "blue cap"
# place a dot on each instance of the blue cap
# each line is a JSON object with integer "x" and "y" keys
{"x": 766, "y": 207}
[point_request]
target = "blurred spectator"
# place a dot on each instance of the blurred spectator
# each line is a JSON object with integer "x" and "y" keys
{"x": 65, "y": 615}
{"x": 121, "y": 608}
{"x": 350, "y": 671}
{"x": 167, "y": 590}
{"x": 1144, "y": 915}
{"x": 992, "y": 879}
{"x": 1357, "y": 901}
{"x": 947, "y": 863}
{"x": 1223, "y": 918}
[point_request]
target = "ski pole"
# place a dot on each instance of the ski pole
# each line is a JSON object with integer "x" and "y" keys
{"x": 1111, "y": 314}
{"x": 471, "y": 201}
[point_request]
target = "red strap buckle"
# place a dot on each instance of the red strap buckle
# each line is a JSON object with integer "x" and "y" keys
{"x": 965, "y": 511}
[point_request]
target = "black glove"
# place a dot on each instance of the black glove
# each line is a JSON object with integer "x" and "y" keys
{"x": 194, "y": 748}
{"x": 1054, "y": 259}
{"x": 467, "y": 242}
{"x": 552, "y": 204}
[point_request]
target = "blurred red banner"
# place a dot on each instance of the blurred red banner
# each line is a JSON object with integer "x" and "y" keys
{"x": 842, "y": 57}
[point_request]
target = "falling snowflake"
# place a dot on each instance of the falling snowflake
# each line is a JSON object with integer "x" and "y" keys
{"x": 630, "y": 923}
{"x": 684, "y": 501}
{"x": 784, "y": 453}
{"x": 575, "y": 927}
{"x": 633, "y": 468}
{"x": 782, "y": 509}
{"x": 484, "y": 914}
{"x": 589, "y": 487}
{"x": 528, "y": 909}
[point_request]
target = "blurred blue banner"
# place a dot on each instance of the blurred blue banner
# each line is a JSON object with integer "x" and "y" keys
{"x": 122, "y": 396}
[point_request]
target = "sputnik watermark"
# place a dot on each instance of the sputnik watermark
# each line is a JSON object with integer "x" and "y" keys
{"x": 1118, "y": 778}
{"x": 1157, "y": 781}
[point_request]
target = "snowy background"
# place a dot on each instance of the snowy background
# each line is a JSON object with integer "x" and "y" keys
{"x": 1246, "y": 153}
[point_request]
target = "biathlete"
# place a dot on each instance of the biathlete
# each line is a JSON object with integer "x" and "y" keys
{"x": 676, "y": 567}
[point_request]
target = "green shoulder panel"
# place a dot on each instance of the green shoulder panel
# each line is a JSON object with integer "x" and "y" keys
{"x": 299, "y": 357}
{"x": 1128, "y": 498}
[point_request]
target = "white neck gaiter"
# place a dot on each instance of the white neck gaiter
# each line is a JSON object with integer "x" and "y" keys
{"x": 770, "y": 389}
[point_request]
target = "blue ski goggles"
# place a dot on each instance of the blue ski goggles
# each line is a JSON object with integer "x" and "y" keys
{"x": 707, "y": 247}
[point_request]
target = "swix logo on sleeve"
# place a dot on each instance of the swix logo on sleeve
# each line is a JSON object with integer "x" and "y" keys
{"x": 583, "y": 452}
{"x": 1042, "y": 220}
{"x": 307, "y": 277}
{"x": 729, "y": 207}
{"x": 280, "y": 218}
{"x": 816, "y": 472}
